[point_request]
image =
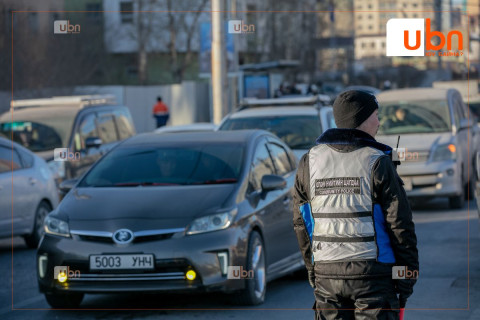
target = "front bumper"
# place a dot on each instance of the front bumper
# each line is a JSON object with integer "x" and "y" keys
{"x": 173, "y": 258}
{"x": 431, "y": 179}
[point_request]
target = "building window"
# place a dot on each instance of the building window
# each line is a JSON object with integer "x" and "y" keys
{"x": 383, "y": 45}
{"x": 126, "y": 13}
{"x": 359, "y": 17}
{"x": 370, "y": 27}
{"x": 364, "y": 45}
{"x": 415, "y": 15}
{"x": 372, "y": 45}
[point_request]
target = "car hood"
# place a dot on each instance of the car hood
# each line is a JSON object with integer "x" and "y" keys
{"x": 142, "y": 208}
{"x": 416, "y": 142}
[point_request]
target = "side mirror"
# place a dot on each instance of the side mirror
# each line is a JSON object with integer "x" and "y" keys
{"x": 67, "y": 185}
{"x": 93, "y": 142}
{"x": 273, "y": 182}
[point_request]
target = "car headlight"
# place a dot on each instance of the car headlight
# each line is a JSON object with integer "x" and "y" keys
{"x": 56, "y": 226}
{"x": 444, "y": 152}
{"x": 57, "y": 168}
{"x": 214, "y": 222}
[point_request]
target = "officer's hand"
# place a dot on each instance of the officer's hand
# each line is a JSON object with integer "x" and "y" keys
{"x": 405, "y": 287}
{"x": 311, "y": 278}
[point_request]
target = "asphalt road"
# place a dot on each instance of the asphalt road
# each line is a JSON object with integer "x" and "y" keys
{"x": 443, "y": 283}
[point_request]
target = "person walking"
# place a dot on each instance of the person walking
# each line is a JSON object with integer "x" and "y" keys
{"x": 160, "y": 112}
{"x": 352, "y": 218}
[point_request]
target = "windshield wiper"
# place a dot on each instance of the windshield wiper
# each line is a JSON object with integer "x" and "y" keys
{"x": 144, "y": 184}
{"x": 217, "y": 181}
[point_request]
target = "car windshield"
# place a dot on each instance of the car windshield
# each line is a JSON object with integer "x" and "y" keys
{"x": 39, "y": 132}
{"x": 142, "y": 166}
{"x": 298, "y": 132}
{"x": 429, "y": 116}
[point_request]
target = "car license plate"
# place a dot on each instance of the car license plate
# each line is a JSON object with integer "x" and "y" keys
{"x": 122, "y": 261}
{"x": 407, "y": 184}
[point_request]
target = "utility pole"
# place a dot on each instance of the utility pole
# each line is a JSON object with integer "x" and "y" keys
{"x": 218, "y": 60}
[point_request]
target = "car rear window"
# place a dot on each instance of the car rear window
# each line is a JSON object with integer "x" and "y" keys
{"x": 129, "y": 166}
{"x": 298, "y": 132}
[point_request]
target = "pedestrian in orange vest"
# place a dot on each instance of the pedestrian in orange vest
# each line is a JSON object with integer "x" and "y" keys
{"x": 160, "y": 112}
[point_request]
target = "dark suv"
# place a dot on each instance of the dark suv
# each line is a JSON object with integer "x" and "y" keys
{"x": 70, "y": 133}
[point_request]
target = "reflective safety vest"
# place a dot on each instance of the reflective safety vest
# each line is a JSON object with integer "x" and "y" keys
{"x": 346, "y": 225}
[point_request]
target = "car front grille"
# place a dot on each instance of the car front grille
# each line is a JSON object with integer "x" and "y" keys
{"x": 139, "y": 236}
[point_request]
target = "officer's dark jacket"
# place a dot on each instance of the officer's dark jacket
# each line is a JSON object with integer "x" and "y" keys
{"x": 392, "y": 214}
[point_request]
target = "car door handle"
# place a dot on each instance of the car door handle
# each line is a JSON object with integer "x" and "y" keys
{"x": 32, "y": 181}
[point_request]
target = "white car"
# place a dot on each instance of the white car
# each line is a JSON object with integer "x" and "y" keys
{"x": 27, "y": 192}
{"x": 193, "y": 127}
{"x": 297, "y": 121}
{"x": 436, "y": 141}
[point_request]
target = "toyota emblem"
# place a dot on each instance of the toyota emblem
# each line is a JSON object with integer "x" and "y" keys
{"x": 123, "y": 236}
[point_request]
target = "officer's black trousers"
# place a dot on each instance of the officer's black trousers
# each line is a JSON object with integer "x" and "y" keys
{"x": 356, "y": 299}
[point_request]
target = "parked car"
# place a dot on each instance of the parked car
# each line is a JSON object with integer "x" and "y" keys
{"x": 85, "y": 127}
{"x": 435, "y": 132}
{"x": 194, "y": 127}
{"x": 298, "y": 124}
{"x": 175, "y": 212}
{"x": 27, "y": 193}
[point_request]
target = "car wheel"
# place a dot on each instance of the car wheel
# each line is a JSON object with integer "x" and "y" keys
{"x": 255, "y": 287}
{"x": 64, "y": 300}
{"x": 33, "y": 239}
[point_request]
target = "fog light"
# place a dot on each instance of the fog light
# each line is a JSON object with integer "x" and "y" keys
{"x": 450, "y": 172}
{"x": 42, "y": 265}
{"x": 191, "y": 275}
{"x": 62, "y": 277}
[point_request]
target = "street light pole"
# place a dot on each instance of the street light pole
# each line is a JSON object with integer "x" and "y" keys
{"x": 218, "y": 60}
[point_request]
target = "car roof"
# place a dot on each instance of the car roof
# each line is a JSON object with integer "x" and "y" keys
{"x": 201, "y": 126}
{"x": 183, "y": 138}
{"x": 274, "y": 111}
{"x": 414, "y": 94}
{"x": 39, "y": 112}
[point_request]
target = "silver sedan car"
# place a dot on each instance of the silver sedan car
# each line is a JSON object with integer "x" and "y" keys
{"x": 436, "y": 143}
{"x": 27, "y": 192}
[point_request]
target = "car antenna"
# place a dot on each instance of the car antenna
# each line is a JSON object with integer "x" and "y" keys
{"x": 397, "y": 162}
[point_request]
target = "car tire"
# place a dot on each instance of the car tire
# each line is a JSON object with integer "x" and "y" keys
{"x": 33, "y": 239}
{"x": 255, "y": 287}
{"x": 64, "y": 300}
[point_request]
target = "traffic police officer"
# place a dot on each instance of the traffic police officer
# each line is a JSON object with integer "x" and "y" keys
{"x": 352, "y": 218}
